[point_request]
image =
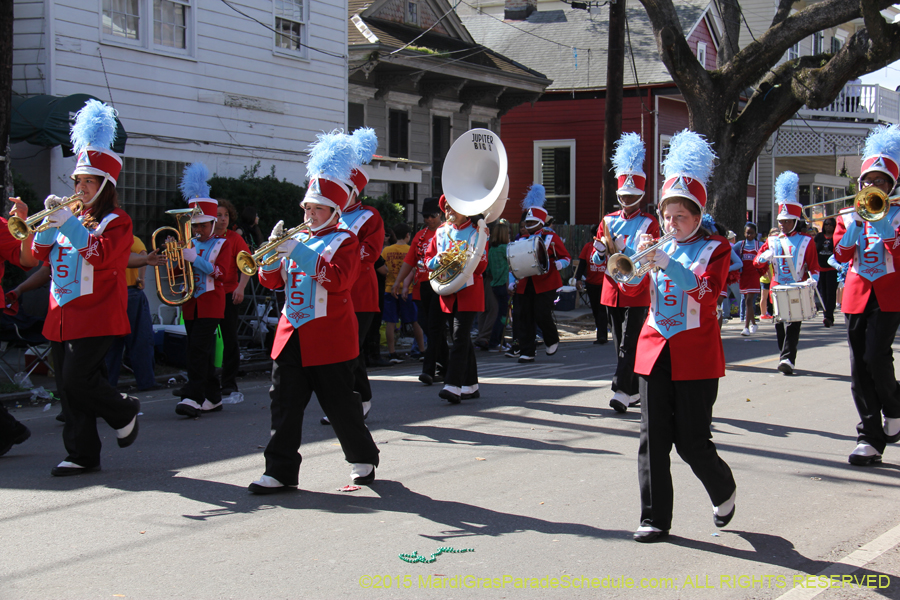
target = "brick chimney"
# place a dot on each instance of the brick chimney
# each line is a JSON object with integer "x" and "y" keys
{"x": 518, "y": 10}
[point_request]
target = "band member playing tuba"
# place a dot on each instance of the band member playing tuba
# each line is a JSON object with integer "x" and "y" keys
{"x": 460, "y": 308}
{"x": 803, "y": 259}
{"x": 316, "y": 344}
{"x": 871, "y": 301}
{"x": 88, "y": 255}
{"x": 623, "y": 229}
{"x": 537, "y": 293}
{"x": 212, "y": 259}
{"x": 679, "y": 353}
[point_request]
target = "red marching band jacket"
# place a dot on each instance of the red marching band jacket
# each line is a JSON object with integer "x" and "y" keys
{"x": 471, "y": 297}
{"x": 549, "y": 281}
{"x": 211, "y": 303}
{"x": 638, "y": 223}
{"x": 368, "y": 226}
{"x": 416, "y": 259}
{"x": 879, "y": 257}
{"x": 331, "y": 338}
{"x": 104, "y": 309}
{"x": 232, "y": 275}
{"x": 810, "y": 262}
{"x": 696, "y": 353}
{"x": 594, "y": 274}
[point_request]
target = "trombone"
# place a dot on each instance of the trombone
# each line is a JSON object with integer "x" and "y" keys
{"x": 622, "y": 268}
{"x": 871, "y": 204}
{"x": 179, "y": 272}
{"x": 22, "y": 228}
{"x": 249, "y": 264}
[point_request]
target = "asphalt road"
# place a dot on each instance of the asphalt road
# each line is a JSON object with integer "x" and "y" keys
{"x": 538, "y": 478}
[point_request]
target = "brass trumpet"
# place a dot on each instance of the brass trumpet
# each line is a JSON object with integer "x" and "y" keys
{"x": 451, "y": 263}
{"x": 22, "y": 228}
{"x": 249, "y": 264}
{"x": 179, "y": 272}
{"x": 622, "y": 268}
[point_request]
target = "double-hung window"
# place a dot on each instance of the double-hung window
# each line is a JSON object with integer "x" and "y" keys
{"x": 158, "y": 25}
{"x": 291, "y": 22}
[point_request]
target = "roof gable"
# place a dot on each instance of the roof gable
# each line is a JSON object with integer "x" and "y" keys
{"x": 437, "y": 16}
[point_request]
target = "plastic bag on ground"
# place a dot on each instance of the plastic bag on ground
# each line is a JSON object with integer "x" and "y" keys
{"x": 233, "y": 398}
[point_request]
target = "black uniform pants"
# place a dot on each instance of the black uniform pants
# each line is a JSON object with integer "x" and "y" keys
{"x": 462, "y": 368}
{"x": 433, "y": 322}
{"x": 679, "y": 413}
{"x": 788, "y": 338}
{"x": 7, "y": 425}
{"x": 83, "y": 385}
{"x": 202, "y": 382}
{"x": 593, "y": 292}
{"x": 360, "y": 377}
{"x": 828, "y": 285}
{"x": 292, "y": 388}
{"x": 536, "y": 311}
{"x": 627, "y": 322}
{"x": 872, "y": 382}
{"x": 231, "y": 352}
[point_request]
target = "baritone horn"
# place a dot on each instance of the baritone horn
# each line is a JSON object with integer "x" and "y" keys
{"x": 249, "y": 264}
{"x": 179, "y": 273}
{"x": 22, "y": 228}
{"x": 623, "y": 268}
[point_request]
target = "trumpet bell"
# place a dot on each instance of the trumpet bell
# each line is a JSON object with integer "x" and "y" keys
{"x": 22, "y": 228}
{"x": 623, "y": 268}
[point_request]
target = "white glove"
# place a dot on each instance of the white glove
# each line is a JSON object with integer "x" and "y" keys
{"x": 52, "y": 201}
{"x": 190, "y": 254}
{"x": 599, "y": 246}
{"x": 620, "y": 243}
{"x": 286, "y": 249}
{"x": 661, "y": 259}
{"x": 559, "y": 265}
{"x": 765, "y": 256}
{"x": 277, "y": 231}
{"x": 857, "y": 219}
{"x": 58, "y": 218}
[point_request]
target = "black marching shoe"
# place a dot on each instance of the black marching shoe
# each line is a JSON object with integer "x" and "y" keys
{"x": 472, "y": 396}
{"x": 361, "y": 475}
{"x": 426, "y": 379}
{"x": 722, "y": 521}
{"x": 128, "y": 439}
{"x": 66, "y": 468}
{"x": 646, "y": 535}
{"x": 20, "y": 434}
{"x": 449, "y": 396}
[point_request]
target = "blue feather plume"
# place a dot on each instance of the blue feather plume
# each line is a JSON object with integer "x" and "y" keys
{"x": 691, "y": 155}
{"x": 95, "y": 125}
{"x": 366, "y": 142}
{"x": 193, "y": 181}
{"x": 629, "y": 155}
{"x": 787, "y": 187}
{"x": 884, "y": 139}
{"x": 333, "y": 156}
{"x": 708, "y": 223}
{"x": 535, "y": 197}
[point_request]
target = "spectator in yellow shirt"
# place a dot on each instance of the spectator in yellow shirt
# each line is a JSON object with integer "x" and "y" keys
{"x": 398, "y": 309}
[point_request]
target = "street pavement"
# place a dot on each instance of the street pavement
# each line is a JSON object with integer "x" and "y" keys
{"x": 538, "y": 478}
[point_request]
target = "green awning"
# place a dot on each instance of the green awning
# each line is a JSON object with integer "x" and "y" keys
{"x": 46, "y": 121}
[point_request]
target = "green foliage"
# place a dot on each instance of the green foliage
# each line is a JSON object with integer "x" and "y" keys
{"x": 392, "y": 214}
{"x": 274, "y": 199}
{"x": 23, "y": 190}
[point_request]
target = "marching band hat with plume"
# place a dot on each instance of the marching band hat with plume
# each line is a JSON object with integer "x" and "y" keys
{"x": 628, "y": 162}
{"x": 687, "y": 168}
{"x": 882, "y": 152}
{"x": 194, "y": 187}
{"x": 331, "y": 162}
{"x": 365, "y": 143}
{"x": 533, "y": 203}
{"x": 92, "y": 138}
{"x": 787, "y": 191}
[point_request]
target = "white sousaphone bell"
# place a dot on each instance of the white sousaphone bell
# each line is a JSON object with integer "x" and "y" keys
{"x": 475, "y": 183}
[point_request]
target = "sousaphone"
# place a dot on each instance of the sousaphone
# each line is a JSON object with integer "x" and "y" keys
{"x": 476, "y": 185}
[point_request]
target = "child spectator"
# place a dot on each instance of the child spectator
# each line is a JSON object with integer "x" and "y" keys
{"x": 398, "y": 309}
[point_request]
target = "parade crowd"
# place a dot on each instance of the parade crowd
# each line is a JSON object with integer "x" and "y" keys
{"x": 661, "y": 285}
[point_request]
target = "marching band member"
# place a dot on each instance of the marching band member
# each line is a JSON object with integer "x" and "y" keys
{"x": 88, "y": 256}
{"x": 234, "y": 283}
{"x": 679, "y": 353}
{"x": 537, "y": 293}
{"x": 13, "y": 432}
{"x": 316, "y": 343}
{"x": 623, "y": 229}
{"x": 871, "y": 301}
{"x": 803, "y": 260}
{"x": 366, "y": 224}
{"x": 747, "y": 249}
{"x": 590, "y": 276}
{"x": 212, "y": 258}
{"x": 460, "y": 308}
{"x": 431, "y": 316}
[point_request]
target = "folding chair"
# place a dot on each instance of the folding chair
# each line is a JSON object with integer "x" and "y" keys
{"x": 19, "y": 334}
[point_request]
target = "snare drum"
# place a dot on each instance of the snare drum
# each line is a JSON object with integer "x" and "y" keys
{"x": 528, "y": 257}
{"x": 794, "y": 301}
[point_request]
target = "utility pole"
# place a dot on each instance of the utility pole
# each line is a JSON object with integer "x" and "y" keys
{"x": 6, "y": 59}
{"x": 612, "y": 123}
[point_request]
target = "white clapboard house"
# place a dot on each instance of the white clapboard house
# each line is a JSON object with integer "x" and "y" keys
{"x": 231, "y": 83}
